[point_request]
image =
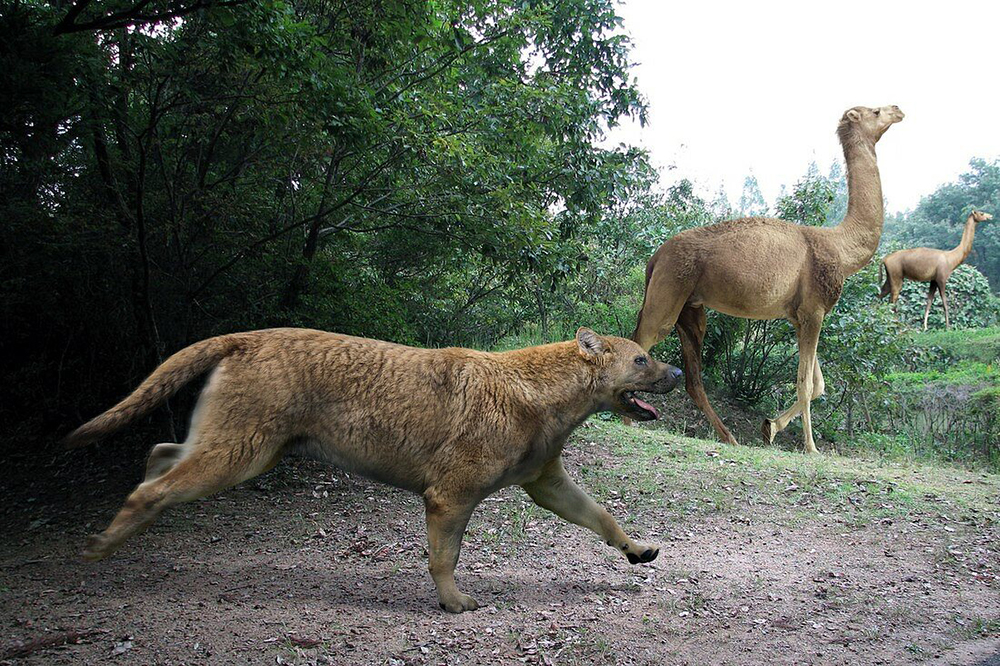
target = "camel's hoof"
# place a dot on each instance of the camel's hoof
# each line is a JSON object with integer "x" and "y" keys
{"x": 768, "y": 431}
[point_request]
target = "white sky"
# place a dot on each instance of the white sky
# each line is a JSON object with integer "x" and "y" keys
{"x": 736, "y": 87}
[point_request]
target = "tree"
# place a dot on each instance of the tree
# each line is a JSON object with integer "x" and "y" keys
{"x": 415, "y": 171}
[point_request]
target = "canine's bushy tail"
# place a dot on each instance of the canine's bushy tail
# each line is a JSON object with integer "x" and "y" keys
{"x": 166, "y": 380}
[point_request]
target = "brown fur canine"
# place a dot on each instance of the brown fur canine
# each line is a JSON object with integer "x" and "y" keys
{"x": 454, "y": 425}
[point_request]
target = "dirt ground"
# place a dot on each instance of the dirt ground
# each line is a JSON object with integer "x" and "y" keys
{"x": 308, "y": 565}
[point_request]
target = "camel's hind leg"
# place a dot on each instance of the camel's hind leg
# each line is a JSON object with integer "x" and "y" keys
{"x": 930, "y": 300}
{"x": 214, "y": 464}
{"x": 944, "y": 302}
{"x": 660, "y": 307}
{"x": 691, "y": 331}
{"x": 772, "y": 427}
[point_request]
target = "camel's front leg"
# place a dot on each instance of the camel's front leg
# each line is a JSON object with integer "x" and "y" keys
{"x": 808, "y": 330}
{"x": 447, "y": 518}
{"x": 808, "y": 384}
{"x": 555, "y": 491}
{"x": 772, "y": 427}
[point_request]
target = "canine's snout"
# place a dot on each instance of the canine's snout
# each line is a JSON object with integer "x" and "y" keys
{"x": 676, "y": 373}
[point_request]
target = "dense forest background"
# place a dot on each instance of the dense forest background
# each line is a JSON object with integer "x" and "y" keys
{"x": 427, "y": 172}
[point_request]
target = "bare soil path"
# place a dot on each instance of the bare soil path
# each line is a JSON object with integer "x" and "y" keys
{"x": 768, "y": 558}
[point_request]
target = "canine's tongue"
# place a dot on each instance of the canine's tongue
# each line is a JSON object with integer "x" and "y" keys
{"x": 646, "y": 405}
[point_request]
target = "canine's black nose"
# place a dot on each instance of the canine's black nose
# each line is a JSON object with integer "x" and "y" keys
{"x": 677, "y": 373}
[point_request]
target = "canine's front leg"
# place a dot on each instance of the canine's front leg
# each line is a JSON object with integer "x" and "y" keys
{"x": 446, "y": 522}
{"x": 555, "y": 491}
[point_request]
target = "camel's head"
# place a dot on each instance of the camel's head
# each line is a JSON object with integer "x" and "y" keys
{"x": 869, "y": 124}
{"x": 980, "y": 216}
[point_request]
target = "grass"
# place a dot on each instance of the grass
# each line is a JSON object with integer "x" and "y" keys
{"x": 690, "y": 476}
{"x": 965, "y": 372}
{"x": 979, "y": 344}
{"x": 977, "y": 627}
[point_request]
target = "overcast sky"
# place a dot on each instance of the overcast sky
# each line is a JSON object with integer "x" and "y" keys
{"x": 736, "y": 87}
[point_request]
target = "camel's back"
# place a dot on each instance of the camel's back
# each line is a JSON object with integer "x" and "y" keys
{"x": 917, "y": 263}
{"x": 747, "y": 267}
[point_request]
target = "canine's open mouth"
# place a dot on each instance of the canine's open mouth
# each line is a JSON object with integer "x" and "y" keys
{"x": 641, "y": 409}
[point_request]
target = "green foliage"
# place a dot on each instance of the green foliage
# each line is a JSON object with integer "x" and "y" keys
{"x": 421, "y": 172}
{"x": 860, "y": 343}
{"x": 809, "y": 201}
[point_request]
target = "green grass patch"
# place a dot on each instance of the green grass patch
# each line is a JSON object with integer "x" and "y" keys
{"x": 961, "y": 373}
{"x": 690, "y": 477}
{"x": 978, "y": 344}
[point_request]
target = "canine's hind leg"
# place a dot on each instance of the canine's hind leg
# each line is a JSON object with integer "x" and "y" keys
{"x": 204, "y": 471}
{"x": 555, "y": 491}
{"x": 162, "y": 458}
{"x": 447, "y": 519}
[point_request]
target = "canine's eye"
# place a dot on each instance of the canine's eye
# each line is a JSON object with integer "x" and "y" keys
{"x": 641, "y": 360}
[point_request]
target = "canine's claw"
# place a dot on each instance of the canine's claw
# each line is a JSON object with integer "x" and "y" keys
{"x": 647, "y": 555}
{"x": 95, "y": 549}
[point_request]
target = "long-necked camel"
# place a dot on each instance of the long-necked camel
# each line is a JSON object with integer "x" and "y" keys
{"x": 765, "y": 268}
{"x": 925, "y": 264}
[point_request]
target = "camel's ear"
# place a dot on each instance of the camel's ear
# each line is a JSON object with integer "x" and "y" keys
{"x": 590, "y": 343}
{"x": 853, "y": 115}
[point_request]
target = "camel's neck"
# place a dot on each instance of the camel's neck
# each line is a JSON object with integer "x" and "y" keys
{"x": 958, "y": 255}
{"x": 862, "y": 226}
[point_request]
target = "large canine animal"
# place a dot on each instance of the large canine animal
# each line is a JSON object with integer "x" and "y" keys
{"x": 454, "y": 425}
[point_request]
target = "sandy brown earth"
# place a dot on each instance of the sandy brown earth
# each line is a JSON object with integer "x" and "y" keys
{"x": 308, "y": 565}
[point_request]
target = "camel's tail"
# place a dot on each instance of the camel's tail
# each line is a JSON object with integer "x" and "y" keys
{"x": 166, "y": 380}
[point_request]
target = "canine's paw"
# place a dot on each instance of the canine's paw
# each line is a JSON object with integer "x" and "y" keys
{"x": 647, "y": 555}
{"x": 768, "y": 431}
{"x": 96, "y": 548}
{"x": 459, "y": 603}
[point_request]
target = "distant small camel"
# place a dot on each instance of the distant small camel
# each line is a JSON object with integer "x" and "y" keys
{"x": 925, "y": 264}
{"x": 762, "y": 268}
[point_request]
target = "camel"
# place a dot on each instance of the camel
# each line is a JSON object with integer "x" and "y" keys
{"x": 925, "y": 264}
{"x": 765, "y": 268}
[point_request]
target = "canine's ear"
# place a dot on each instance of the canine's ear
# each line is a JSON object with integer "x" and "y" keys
{"x": 590, "y": 343}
